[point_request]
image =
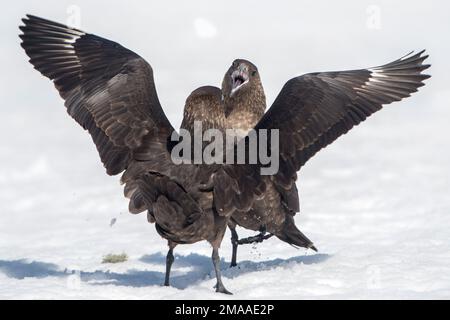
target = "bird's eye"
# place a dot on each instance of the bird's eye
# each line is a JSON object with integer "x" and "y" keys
{"x": 253, "y": 73}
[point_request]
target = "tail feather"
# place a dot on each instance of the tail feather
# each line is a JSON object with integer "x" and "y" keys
{"x": 290, "y": 234}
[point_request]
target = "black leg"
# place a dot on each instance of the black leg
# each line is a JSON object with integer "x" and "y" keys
{"x": 216, "y": 261}
{"x": 234, "y": 243}
{"x": 169, "y": 261}
{"x": 255, "y": 239}
{"x": 258, "y": 238}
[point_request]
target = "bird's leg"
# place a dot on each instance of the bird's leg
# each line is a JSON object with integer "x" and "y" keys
{"x": 234, "y": 243}
{"x": 255, "y": 239}
{"x": 216, "y": 261}
{"x": 258, "y": 238}
{"x": 169, "y": 260}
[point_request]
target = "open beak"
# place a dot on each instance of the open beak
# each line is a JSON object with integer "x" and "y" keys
{"x": 239, "y": 77}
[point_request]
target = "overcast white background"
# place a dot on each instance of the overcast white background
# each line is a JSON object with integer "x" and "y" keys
{"x": 376, "y": 202}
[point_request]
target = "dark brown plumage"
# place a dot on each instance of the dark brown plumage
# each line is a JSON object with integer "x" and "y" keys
{"x": 109, "y": 90}
{"x": 243, "y": 96}
{"x": 311, "y": 111}
{"x": 204, "y": 105}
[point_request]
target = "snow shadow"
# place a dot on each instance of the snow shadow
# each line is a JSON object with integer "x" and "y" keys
{"x": 186, "y": 271}
{"x": 201, "y": 266}
{"x": 20, "y": 269}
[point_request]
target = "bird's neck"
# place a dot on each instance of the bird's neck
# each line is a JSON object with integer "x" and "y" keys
{"x": 244, "y": 112}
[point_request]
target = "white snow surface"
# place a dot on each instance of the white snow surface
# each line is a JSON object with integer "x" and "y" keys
{"x": 376, "y": 203}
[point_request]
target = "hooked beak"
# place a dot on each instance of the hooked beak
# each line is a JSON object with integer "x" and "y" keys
{"x": 239, "y": 77}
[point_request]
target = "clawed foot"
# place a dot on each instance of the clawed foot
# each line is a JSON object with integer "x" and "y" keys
{"x": 221, "y": 289}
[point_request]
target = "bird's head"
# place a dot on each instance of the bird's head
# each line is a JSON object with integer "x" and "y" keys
{"x": 241, "y": 78}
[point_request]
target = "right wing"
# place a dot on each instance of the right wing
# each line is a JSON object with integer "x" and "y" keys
{"x": 108, "y": 89}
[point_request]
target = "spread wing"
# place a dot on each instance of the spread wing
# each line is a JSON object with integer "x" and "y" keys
{"x": 108, "y": 89}
{"x": 312, "y": 111}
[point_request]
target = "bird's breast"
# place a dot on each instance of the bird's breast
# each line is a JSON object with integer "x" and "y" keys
{"x": 242, "y": 122}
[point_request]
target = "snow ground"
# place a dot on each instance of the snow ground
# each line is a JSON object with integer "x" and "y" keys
{"x": 376, "y": 203}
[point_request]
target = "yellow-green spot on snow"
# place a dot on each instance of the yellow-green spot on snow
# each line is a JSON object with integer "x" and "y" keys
{"x": 115, "y": 258}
